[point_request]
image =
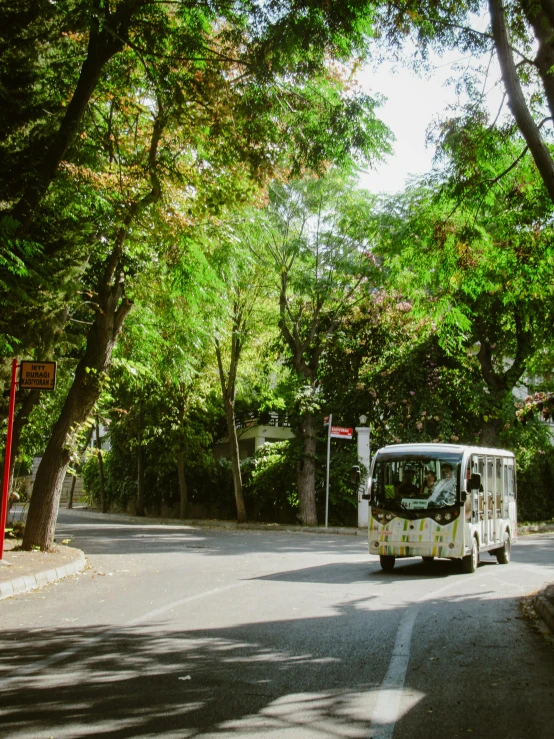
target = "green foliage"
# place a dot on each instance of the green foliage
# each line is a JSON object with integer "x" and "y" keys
{"x": 209, "y": 482}
{"x": 473, "y": 252}
{"x": 534, "y": 486}
{"x": 269, "y": 479}
{"x": 270, "y": 490}
{"x": 343, "y": 497}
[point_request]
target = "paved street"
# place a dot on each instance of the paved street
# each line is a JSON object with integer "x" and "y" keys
{"x": 180, "y": 632}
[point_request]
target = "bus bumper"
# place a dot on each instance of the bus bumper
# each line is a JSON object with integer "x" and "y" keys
{"x": 416, "y": 549}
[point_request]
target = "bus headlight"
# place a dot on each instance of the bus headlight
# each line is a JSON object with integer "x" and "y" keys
{"x": 438, "y": 517}
{"x": 448, "y": 517}
{"x": 389, "y": 516}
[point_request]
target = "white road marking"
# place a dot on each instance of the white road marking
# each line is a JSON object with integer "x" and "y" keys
{"x": 391, "y": 694}
{"x": 387, "y": 710}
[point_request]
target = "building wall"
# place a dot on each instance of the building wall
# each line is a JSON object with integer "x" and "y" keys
{"x": 251, "y": 439}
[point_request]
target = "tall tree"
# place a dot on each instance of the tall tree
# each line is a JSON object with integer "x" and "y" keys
{"x": 251, "y": 37}
{"x": 243, "y": 294}
{"x": 477, "y": 266}
{"x": 217, "y": 79}
{"x": 315, "y": 238}
{"x": 111, "y": 308}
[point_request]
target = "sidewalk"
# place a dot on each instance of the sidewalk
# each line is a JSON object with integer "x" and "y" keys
{"x": 25, "y": 571}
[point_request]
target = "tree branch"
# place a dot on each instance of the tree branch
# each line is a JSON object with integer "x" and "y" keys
{"x": 516, "y": 99}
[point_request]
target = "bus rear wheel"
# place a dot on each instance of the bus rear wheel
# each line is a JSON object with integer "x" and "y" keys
{"x": 503, "y": 554}
{"x": 387, "y": 561}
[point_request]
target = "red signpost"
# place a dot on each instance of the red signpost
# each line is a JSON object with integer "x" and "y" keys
{"x": 7, "y": 459}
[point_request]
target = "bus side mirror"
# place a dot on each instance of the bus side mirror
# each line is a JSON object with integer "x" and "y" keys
{"x": 475, "y": 481}
{"x": 463, "y": 496}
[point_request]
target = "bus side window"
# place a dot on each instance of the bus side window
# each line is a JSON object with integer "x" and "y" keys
{"x": 481, "y": 471}
{"x": 490, "y": 484}
{"x": 509, "y": 487}
{"x": 499, "y": 485}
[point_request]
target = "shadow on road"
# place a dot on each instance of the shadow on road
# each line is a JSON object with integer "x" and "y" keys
{"x": 319, "y": 676}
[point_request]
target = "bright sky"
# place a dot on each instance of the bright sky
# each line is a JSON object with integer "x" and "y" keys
{"x": 413, "y": 102}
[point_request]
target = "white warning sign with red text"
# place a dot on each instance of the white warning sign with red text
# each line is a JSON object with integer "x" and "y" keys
{"x": 339, "y": 432}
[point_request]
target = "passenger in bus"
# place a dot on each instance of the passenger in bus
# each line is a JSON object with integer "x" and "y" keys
{"x": 407, "y": 488}
{"x": 444, "y": 492}
{"x": 428, "y": 484}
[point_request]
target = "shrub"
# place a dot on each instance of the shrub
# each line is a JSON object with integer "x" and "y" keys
{"x": 270, "y": 490}
{"x": 91, "y": 478}
{"x": 269, "y": 479}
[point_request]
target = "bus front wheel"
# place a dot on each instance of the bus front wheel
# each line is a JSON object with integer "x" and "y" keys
{"x": 387, "y": 561}
{"x": 471, "y": 562}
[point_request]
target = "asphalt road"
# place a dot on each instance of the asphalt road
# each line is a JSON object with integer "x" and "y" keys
{"x": 180, "y": 632}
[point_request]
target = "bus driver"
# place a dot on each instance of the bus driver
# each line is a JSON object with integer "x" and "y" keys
{"x": 444, "y": 492}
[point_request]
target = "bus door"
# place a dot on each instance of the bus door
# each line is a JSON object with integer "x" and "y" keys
{"x": 480, "y": 502}
{"x": 498, "y": 498}
{"x": 489, "y": 502}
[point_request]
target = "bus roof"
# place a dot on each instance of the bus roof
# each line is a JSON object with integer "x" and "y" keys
{"x": 431, "y": 448}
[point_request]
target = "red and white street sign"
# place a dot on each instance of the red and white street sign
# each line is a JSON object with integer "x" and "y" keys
{"x": 338, "y": 432}
{"x": 326, "y": 421}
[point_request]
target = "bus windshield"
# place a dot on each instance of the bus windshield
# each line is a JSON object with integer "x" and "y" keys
{"x": 415, "y": 481}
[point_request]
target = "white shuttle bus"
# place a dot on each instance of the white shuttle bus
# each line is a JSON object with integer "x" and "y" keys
{"x": 441, "y": 500}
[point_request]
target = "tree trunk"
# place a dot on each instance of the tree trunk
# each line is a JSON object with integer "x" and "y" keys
{"x": 489, "y": 433}
{"x": 71, "y": 492}
{"x": 305, "y": 472}
{"x": 103, "y": 502}
{"x": 141, "y": 491}
{"x": 184, "y": 506}
{"x": 500, "y": 381}
{"x": 81, "y": 399}
{"x": 235, "y": 461}
{"x": 228, "y": 392}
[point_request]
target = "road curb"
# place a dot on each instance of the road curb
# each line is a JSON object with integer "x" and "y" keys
{"x": 538, "y": 528}
{"x": 544, "y": 605}
{"x": 221, "y": 524}
{"x": 29, "y": 582}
